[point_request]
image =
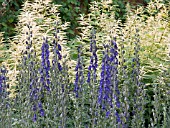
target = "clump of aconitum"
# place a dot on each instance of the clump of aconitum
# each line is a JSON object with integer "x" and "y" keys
{"x": 79, "y": 90}
{"x": 42, "y": 86}
{"x": 28, "y": 85}
{"x": 5, "y": 102}
{"x": 108, "y": 92}
{"x": 92, "y": 77}
{"x": 36, "y": 70}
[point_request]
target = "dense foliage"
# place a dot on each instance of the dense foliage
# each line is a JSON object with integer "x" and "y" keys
{"x": 111, "y": 75}
{"x": 69, "y": 12}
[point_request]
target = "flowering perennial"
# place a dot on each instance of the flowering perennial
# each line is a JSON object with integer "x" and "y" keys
{"x": 108, "y": 89}
{"x": 45, "y": 65}
{"x": 93, "y": 59}
{"x": 79, "y": 74}
{"x": 105, "y": 90}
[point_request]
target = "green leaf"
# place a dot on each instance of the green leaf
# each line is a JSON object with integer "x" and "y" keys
{"x": 4, "y": 24}
{"x": 77, "y": 9}
{"x": 74, "y": 56}
{"x": 70, "y": 31}
{"x": 11, "y": 20}
{"x": 161, "y": 29}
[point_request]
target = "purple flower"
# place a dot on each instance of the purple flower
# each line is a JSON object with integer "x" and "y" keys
{"x": 3, "y": 70}
{"x": 35, "y": 118}
{"x": 59, "y": 66}
{"x": 79, "y": 80}
{"x": 1, "y": 80}
{"x": 107, "y": 114}
{"x": 114, "y": 44}
{"x": 40, "y": 105}
{"x": 109, "y": 80}
{"x": 105, "y": 92}
{"x": 41, "y": 110}
{"x": 88, "y": 77}
{"x": 45, "y": 65}
{"x": 4, "y": 94}
{"x": 59, "y": 47}
{"x": 118, "y": 120}
{"x": 114, "y": 64}
{"x": 57, "y": 56}
{"x": 34, "y": 107}
{"x": 93, "y": 60}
